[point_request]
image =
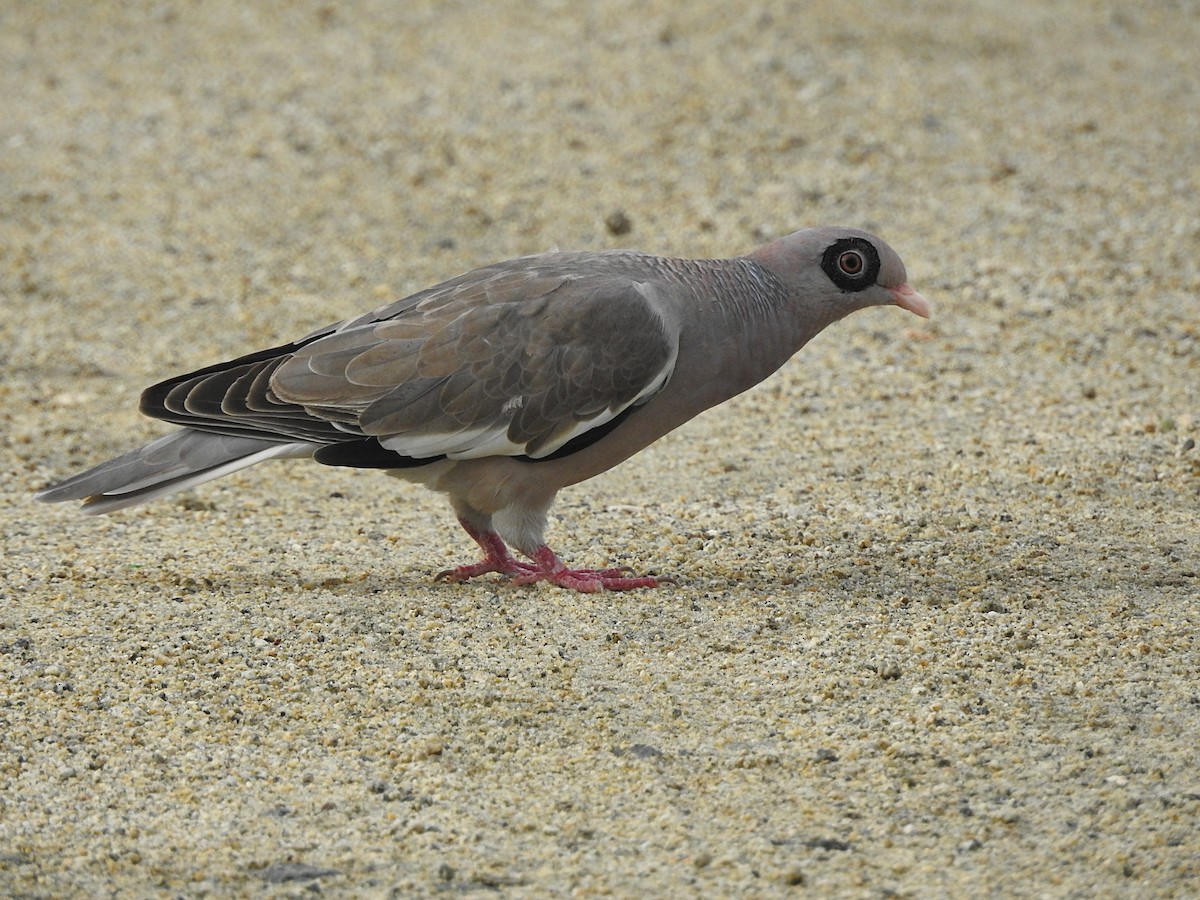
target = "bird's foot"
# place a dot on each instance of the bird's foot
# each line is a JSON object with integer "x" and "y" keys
{"x": 546, "y": 566}
{"x": 510, "y": 566}
{"x": 550, "y": 568}
{"x": 496, "y": 558}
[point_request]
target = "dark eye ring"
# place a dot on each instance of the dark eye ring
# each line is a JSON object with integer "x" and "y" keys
{"x": 851, "y": 263}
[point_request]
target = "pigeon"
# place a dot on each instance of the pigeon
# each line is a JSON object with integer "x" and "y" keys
{"x": 504, "y": 385}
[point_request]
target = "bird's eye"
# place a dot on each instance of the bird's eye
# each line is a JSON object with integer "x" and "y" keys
{"x": 851, "y": 263}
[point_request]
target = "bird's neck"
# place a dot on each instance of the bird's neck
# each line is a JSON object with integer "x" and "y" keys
{"x": 753, "y": 325}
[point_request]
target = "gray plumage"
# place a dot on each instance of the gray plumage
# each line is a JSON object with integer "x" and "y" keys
{"x": 510, "y": 382}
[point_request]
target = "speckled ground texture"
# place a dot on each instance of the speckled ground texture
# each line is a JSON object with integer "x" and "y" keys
{"x": 935, "y": 631}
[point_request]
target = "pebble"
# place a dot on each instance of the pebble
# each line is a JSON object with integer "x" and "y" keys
{"x": 618, "y": 223}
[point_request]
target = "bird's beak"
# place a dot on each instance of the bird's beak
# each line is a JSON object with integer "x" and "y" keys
{"x": 906, "y": 298}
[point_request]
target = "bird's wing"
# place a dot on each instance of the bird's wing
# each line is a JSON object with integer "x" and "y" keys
{"x": 518, "y": 360}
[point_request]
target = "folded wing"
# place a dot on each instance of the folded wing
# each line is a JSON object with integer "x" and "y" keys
{"x": 513, "y": 359}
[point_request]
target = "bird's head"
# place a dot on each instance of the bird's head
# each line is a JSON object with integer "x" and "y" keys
{"x": 831, "y": 272}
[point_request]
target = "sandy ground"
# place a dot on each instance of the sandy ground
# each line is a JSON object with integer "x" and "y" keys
{"x": 935, "y": 632}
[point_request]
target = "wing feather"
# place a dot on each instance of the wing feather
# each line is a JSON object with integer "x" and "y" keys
{"x": 518, "y": 374}
{"x": 518, "y": 358}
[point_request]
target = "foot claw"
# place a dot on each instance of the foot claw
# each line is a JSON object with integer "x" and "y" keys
{"x": 591, "y": 580}
{"x": 512, "y": 567}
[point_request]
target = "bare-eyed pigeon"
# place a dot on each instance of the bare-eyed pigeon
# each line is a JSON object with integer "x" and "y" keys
{"x": 504, "y": 385}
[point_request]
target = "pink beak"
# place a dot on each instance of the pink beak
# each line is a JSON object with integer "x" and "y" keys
{"x": 906, "y": 298}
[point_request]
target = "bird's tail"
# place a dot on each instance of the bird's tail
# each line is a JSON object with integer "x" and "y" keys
{"x": 180, "y": 460}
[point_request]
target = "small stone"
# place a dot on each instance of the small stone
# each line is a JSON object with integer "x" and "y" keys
{"x": 827, "y": 844}
{"x": 889, "y": 670}
{"x": 618, "y": 223}
{"x": 281, "y": 873}
{"x": 793, "y": 876}
{"x": 644, "y": 751}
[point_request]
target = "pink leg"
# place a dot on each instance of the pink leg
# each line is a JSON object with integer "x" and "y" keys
{"x": 496, "y": 558}
{"x": 546, "y": 566}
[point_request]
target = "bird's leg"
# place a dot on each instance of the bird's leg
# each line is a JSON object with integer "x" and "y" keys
{"x": 550, "y": 568}
{"x": 496, "y": 556}
{"x": 545, "y": 565}
{"x": 524, "y": 525}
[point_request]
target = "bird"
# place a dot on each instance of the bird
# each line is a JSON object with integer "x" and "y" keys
{"x": 504, "y": 385}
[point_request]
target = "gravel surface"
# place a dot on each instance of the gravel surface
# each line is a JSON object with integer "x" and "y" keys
{"x": 935, "y": 632}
